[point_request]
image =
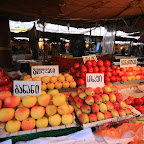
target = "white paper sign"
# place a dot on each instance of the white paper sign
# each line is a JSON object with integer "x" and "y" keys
{"x": 92, "y": 57}
{"x": 22, "y": 88}
{"x": 128, "y": 62}
{"x": 47, "y": 70}
{"x": 94, "y": 80}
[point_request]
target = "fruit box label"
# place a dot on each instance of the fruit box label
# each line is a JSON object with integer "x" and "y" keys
{"x": 48, "y": 70}
{"x": 128, "y": 63}
{"x": 92, "y": 57}
{"x": 94, "y": 80}
{"x": 22, "y": 88}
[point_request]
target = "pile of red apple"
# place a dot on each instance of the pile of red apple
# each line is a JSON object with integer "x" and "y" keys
{"x": 5, "y": 82}
{"x": 111, "y": 73}
{"x": 138, "y": 103}
{"x": 98, "y": 104}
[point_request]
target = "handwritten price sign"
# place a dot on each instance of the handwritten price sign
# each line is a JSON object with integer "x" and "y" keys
{"x": 22, "y": 88}
{"x": 92, "y": 57}
{"x": 40, "y": 71}
{"x": 94, "y": 80}
{"x": 128, "y": 63}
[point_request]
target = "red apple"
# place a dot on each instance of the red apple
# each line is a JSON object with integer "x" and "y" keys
{"x": 121, "y": 73}
{"x": 109, "y": 74}
{"x": 108, "y": 69}
{"x": 70, "y": 98}
{"x": 132, "y": 142}
{"x": 114, "y": 72}
{"x": 76, "y": 98}
{"x": 124, "y": 78}
{"x": 92, "y": 117}
{"x": 94, "y": 63}
{"x": 114, "y": 89}
{"x": 72, "y": 70}
{"x": 95, "y": 108}
{"x": 88, "y": 63}
{"x": 90, "y": 69}
{"x": 122, "y": 69}
{"x": 138, "y": 101}
{"x": 1, "y": 72}
{"x": 128, "y": 101}
{"x": 142, "y": 98}
{"x": 118, "y": 79}
{"x": 113, "y": 79}
{"x": 97, "y": 99}
{"x": 98, "y": 90}
{"x": 107, "y": 63}
{"x": 116, "y": 105}
{"x": 76, "y": 65}
{"x": 80, "y": 82}
{"x": 83, "y": 69}
{"x": 107, "y": 115}
{"x": 114, "y": 67}
{"x": 99, "y": 63}
{"x": 106, "y": 79}
{"x": 79, "y": 103}
{"x": 119, "y": 97}
{"x": 84, "y": 118}
{"x": 102, "y": 68}
{"x": 83, "y": 75}
{"x": 95, "y": 69}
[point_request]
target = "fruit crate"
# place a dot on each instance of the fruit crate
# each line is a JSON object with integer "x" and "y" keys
{"x": 4, "y": 134}
{"x": 116, "y": 119}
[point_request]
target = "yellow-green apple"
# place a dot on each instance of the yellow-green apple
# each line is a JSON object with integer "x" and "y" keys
{"x": 119, "y": 97}
{"x": 22, "y": 113}
{"x": 5, "y": 94}
{"x": 29, "y": 101}
{"x": 114, "y": 89}
{"x": 12, "y": 101}
{"x": 79, "y": 103}
{"x": 112, "y": 97}
{"x": 89, "y": 91}
{"x": 76, "y": 98}
{"x": 43, "y": 100}
{"x": 114, "y": 113}
{"x": 67, "y": 119}
{"x": 89, "y": 100}
{"x": 64, "y": 109}
{"x": 95, "y": 108}
{"x": 130, "y": 78}
{"x": 13, "y": 126}
{"x": 82, "y": 95}
{"x": 98, "y": 90}
{"x": 74, "y": 93}
{"x": 51, "y": 110}
{"x": 105, "y": 98}
{"x": 70, "y": 98}
{"x": 78, "y": 112}
{"x": 123, "y": 105}
{"x": 55, "y": 120}
{"x": 59, "y": 99}
{"x": 71, "y": 109}
{"x": 110, "y": 106}
{"x": 75, "y": 106}
{"x": 97, "y": 99}
{"x": 107, "y": 115}
{"x": 100, "y": 116}
{"x": 86, "y": 108}
{"x": 37, "y": 112}
{"x": 79, "y": 90}
{"x": 53, "y": 92}
{"x": 42, "y": 122}
{"x": 6, "y": 114}
{"x": 121, "y": 112}
{"x": 133, "y": 77}
{"x": 84, "y": 118}
{"x": 137, "y": 77}
{"x": 116, "y": 105}
{"x": 92, "y": 117}
{"x": 28, "y": 124}
{"x": 107, "y": 89}
{"x": 128, "y": 111}
{"x": 103, "y": 107}
{"x": 0, "y": 104}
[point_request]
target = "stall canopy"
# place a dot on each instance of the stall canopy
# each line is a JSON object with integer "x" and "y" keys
{"x": 80, "y": 13}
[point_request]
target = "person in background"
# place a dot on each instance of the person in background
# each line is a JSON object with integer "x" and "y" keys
{"x": 123, "y": 52}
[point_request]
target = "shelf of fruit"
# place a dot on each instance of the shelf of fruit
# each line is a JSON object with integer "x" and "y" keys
{"x": 64, "y": 82}
{"x": 100, "y": 105}
{"x": 31, "y": 114}
{"x": 111, "y": 72}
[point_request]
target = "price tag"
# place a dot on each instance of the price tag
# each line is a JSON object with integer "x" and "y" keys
{"x": 94, "y": 80}
{"x": 22, "y": 88}
{"x": 48, "y": 70}
{"x": 128, "y": 62}
{"x": 92, "y": 57}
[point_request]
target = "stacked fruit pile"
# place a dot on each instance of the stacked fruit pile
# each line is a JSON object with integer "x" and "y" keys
{"x": 64, "y": 81}
{"x": 98, "y": 104}
{"x": 111, "y": 73}
{"x": 34, "y": 111}
{"x": 138, "y": 103}
{"x": 5, "y": 81}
